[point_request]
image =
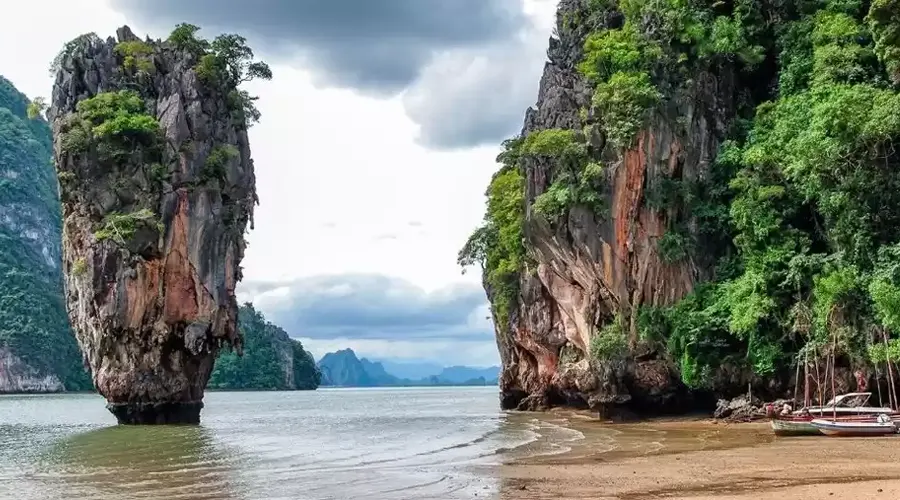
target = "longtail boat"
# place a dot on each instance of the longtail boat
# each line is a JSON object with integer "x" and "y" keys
{"x": 848, "y": 408}
{"x": 853, "y": 403}
{"x": 793, "y": 426}
{"x": 880, "y": 426}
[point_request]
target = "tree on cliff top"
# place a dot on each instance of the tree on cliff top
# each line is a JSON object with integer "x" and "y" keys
{"x": 226, "y": 62}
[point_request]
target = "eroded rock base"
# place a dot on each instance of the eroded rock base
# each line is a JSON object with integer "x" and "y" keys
{"x": 156, "y": 413}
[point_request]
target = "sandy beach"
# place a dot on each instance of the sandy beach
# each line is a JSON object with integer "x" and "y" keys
{"x": 694, "y": 459}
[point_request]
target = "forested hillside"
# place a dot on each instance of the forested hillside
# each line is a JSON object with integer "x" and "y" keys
{"x": 37, "y": 349}
{"x": 271, "y": 360}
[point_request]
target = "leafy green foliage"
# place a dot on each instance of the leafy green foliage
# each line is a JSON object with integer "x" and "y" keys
{"x": 112, "y": 128}
{"x": 184, "y": 37}
{"x": 555, "y": 201}
{"x": 610, "y": 342}
{"x": 577, "y": 180}
{"x": 497, "y": 245}
{"x": 136, "y": 56}
{"x": 218, "y": 159}
{"x": 267, "y": 350}
{"x": 812, "y": 185}
{"x": 33, "y": 321}
{"x": 36, "y": 108}
{"x": 884, "y": 22}
{"x": 660, "y": 37}
{"x": 119, "y": 114}
{"x": 625, "y": 101}
{"x": 79, "y": 267}
{"x": 554, "y": 143}
{"x": 617, "y": 51}
{"x": 673, "y": 246}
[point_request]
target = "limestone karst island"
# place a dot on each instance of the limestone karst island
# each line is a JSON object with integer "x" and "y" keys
{"x": 479, "y": 249}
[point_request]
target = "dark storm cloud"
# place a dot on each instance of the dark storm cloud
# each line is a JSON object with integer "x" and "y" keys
{"x": 371, "y": 307}
{"x": 476, "y": 97}
{"x": 374, "y": 45}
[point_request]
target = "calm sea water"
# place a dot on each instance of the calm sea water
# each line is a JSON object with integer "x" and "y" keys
{"x": 399, "y": 443}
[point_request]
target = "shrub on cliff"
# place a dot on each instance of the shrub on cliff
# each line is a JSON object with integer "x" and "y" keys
{"x": 610, "y": 342}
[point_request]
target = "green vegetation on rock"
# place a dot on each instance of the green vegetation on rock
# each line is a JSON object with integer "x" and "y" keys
{"x": 610, "y": 342}
{"x": 270, "y": 356}
{"x": 803, "y": 198}
{"x": 36, "y": 108}
{"x": 814, "y": 191}
{"x": 121, "y": 227}
{"x": 497, "y": 244}
{"x": 33, "y": 322}
{"x": 217, "y": 160}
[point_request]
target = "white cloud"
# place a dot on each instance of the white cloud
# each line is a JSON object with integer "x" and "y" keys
{"x": 32, "y": 33}
{"x": 471, "y": 95}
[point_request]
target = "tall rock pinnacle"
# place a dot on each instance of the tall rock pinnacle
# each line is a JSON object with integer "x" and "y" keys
{"x": 157, "y": 188}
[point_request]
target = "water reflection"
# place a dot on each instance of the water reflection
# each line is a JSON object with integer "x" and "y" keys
{"x": 181, "y": 462}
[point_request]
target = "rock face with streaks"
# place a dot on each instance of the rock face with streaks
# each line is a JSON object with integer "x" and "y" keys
{"x": 157, "y": 188}
{"x": 17, "y": 377}
{"x": 584, "y": 270}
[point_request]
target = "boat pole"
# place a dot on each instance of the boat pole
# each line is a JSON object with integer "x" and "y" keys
{"x": 887, "y": 358}
{"x": 878, "y": 384}
{"x": 805, "y": 378}
{"x": 818, "y": 377}
{"x": 833, "y": 391}
{"x": 797, "y": 382}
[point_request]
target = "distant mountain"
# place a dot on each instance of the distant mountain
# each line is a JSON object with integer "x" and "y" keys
{"x": 344, "y": 369}
{"x": 412, "y": 371}
{"x": 459, "y": 374}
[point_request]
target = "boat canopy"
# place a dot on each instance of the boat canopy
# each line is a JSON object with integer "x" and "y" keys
{"x": 850, "y": 400}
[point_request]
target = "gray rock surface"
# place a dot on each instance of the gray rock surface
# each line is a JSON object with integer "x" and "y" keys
{"x": 588, "y": 269}
{"x": 151, "y": 315}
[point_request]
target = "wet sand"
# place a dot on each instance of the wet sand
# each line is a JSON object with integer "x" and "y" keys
{"x": 699, "y": 459}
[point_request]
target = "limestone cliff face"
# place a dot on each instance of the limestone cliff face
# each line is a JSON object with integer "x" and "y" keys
{"x": 17, "y": 377}
{"x": 588, "y": 270}
{"x": 152, "y": 223}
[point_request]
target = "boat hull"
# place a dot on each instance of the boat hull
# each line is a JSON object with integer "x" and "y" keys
{"x": 852, "y": 411}
{"x": 783, "y": 427}
{"x": 839, "y": 429}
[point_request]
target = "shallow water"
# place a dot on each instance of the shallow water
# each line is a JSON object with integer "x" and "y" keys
{"x": 398, "y": 443}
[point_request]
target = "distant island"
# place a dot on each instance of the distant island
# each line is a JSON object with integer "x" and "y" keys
{"x": 344, "y": 369}
{"x": 272, "y": 360}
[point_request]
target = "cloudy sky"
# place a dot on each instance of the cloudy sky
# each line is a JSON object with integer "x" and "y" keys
{"x": 377, "y": 140}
